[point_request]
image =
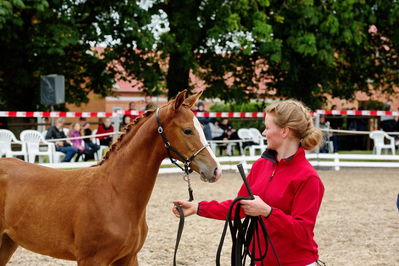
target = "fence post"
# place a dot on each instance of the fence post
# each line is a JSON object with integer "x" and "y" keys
{"x": 117, "y": 115}
{"x": 336, "y": 161}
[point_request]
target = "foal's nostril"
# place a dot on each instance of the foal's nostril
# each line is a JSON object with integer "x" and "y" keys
{"x": 217, "y": 173}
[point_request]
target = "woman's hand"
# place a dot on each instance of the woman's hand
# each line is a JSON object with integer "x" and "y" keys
{"x": 189, "y": 208}
{"x": 255, "y": 207}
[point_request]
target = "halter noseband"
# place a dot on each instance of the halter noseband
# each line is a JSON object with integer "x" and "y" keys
{"x": 169, "y": 148}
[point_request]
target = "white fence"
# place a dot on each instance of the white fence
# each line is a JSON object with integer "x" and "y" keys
{"x": 335, "y": 161}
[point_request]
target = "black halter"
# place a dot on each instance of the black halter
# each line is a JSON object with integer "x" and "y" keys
{"x": 169, "y": 148}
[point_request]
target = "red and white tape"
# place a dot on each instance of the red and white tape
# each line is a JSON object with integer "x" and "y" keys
{"x": 198, "y": 114}
{"x": 358, "y": 112}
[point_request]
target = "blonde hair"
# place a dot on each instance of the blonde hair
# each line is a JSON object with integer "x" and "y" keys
{"x": 72, "y": 128}
{"x": 294, "y": 115}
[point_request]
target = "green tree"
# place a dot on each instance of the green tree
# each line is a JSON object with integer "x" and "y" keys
{"x": 299, "y": 49}
{"x": 327, "y": 47}
{"x": 40, "y": 37}
{"x": 211, "y": 39}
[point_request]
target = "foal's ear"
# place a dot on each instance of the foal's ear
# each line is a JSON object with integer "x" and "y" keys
{"x": 180, "y": 99}
{"x": 192, "y": 99}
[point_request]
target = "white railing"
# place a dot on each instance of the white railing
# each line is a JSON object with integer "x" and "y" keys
{"x": 335, "y": 161}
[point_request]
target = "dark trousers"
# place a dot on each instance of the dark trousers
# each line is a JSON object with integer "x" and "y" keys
{"x": 69, "y": 153}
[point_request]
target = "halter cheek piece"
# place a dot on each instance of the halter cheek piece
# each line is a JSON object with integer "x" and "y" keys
{"x": 186, "y": 161}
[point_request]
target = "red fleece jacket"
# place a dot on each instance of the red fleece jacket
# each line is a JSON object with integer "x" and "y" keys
{"x": 294, "y": 190}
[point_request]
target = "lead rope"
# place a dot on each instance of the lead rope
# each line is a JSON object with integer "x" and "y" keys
{"x": 186, "y": 177}
{"x": 244, "y": 233}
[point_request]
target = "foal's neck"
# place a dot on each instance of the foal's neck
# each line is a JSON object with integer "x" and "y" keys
{"x": 133, "y": 165}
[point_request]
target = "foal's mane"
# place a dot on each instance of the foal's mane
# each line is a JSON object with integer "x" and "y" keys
{"x": 132, "y": 125}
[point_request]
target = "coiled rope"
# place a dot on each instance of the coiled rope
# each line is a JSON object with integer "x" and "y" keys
{"x": 245, "y": 234}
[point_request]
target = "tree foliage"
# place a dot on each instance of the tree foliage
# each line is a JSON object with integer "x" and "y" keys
{"x": 299, "y": 49}
{"x": 40, "y": 37}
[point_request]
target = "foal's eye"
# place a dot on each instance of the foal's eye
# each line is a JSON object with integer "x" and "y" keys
{"x": 188, "y": 131}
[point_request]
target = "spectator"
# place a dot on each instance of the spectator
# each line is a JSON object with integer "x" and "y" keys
{"x": 215, "y": 130}
{"x": 105, "y": 127}
{"x": 82, "y": 121}
{"x": 132, "y": 107}
{"x": 324, "y": 126}
{"x": 79, "y": 144}
{"x": 125, "y": 121}
{"x": 388, "y": 122}
{"x": 229, "y": 134}
{"x": 88, "y": 143}
{"x": 229, "y": 131}
{"x": 335, "y": 123}
{"x": 149, "y": 104}
{"x": 56, "y": 132}
{"x": 201, "y": 109}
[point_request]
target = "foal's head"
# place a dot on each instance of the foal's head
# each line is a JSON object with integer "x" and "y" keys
{"x": 184, "y": 132}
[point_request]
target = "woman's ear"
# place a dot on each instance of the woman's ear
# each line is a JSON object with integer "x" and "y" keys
{"x": 285, "y": 131}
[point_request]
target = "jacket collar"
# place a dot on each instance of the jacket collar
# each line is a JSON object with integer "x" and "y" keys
{"x": 271, "y": 155}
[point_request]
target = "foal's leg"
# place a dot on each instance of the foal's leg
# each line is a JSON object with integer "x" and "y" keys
{"x": 92, "y": 261}
{"x": 129, "y": 260}
{"x": 7, "y": 248}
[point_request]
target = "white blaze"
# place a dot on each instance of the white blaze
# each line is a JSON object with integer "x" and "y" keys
{"x": 198, "y": 127}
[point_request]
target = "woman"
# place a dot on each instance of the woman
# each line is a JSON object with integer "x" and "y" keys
{"x": 103, "y": 128}
{"x": 288, "y": 191}
{"x": 125, "y": 121}
{"x": 78, "y": 144}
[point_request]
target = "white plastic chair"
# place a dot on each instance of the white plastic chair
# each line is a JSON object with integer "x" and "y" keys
{"x": 258, "y": 139}
{"x": 379, "y": 136}
{"x": 245, "y": 134}
{"x": 36, "y": 145}
{"x": 95, "y": 140}
{"x": 7, "y": 138}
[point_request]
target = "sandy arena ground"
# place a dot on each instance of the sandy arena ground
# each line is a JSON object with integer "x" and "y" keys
{"x": 358, "y": 223}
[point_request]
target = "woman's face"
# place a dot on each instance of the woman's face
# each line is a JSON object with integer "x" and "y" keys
{"x": 107, "y": 122}
{"x": 77, "y": 127}
{"x": 273, "y": 133}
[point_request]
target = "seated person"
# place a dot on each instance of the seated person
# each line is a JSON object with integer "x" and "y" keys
{"x": 105, "y": 127}
{"x": 82, "y": 149}
{"x": 229, "y": 131}
{"x": 217, "y": 133}
{"x": 324, "y": 126}
{"x": 56, "y": 132}
{"x": 125, "y": 121}
{"x": 88, "y": 143}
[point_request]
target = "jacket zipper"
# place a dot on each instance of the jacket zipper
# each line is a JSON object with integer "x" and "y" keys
{"x": 274, "y": 171}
